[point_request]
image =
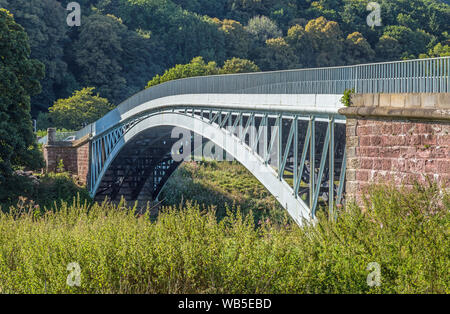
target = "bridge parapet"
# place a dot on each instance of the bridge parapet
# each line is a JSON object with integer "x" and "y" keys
{"x": 389, "y": 135}
{"x": 74, "y": 155}
{"x": 397, "y": 138}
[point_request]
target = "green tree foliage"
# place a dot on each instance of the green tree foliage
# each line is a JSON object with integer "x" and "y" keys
{"x": 358, "y": 49}
{"x": 236, "y": 65}
{"x": 262, "y": 28}
{"x": 277, "y": 55}
{"x": 79, "y": 110}
{"x": 197, "y": 67}
{"x": 388, "y": 48}
{"x": 19, "y": 79}
{"x": 300, "y": 42}
{"x": 181, "y": 33}
{"x": 45, "y": 24}
{"x": 238, "y": 42}
{"x": 413, "y": 42}
{"x": 98, "y": 51}
{"x": 327, "y": 41}
{"x": 119, "y": 55}
{"x": 438, "y": 51}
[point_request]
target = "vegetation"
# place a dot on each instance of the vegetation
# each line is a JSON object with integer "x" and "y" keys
{"x": 222, "y": 185}
{"x": 123, "y": 44}
{"x": 19, "y": 79}
{"x": 346, "y": 100}
{"x": 79, "y": 110}
{"x": 46, "y": 192}
{"x": 198, "y": 67}
{"x": 221, "y": 231}
{"x": 188, "y": 251}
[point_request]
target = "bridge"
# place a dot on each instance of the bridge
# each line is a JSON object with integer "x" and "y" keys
{"x": 288, "y": 128}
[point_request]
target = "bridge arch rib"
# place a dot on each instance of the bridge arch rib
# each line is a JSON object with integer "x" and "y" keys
{"x": 243, "y": 99}
{"x": 211, "y": 126}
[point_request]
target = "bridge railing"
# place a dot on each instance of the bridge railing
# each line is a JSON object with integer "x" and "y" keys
{"x": 59, "y": 137}
{"x": 409, "y": 76}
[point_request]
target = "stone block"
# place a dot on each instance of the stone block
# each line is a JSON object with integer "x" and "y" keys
{"x": 385, "y": 100}
{"x": 429, "y": 100}
{"x": 398, "y": 100}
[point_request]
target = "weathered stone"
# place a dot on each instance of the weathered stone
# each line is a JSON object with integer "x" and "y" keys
{"x": 74, "y": 157}
{"x": 393, "y": 148}
{"x": 398, "y": 100}
{"x": 429, "y": 100}
{"x": 385, "y": 100}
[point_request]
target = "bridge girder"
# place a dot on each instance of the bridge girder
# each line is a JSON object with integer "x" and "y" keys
{"x": 263, "y": 142}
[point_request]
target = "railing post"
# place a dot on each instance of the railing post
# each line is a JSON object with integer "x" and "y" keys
{"x": 51, "y": 136}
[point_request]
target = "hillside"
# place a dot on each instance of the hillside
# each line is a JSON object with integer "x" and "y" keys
{"x": 123, "y": 44}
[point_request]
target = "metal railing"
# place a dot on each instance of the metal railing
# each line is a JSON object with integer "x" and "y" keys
{"x": 410, "y": 76}
{"x": 60, "y": 137}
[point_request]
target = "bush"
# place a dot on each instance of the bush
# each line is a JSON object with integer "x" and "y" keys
{"x": 188, "y": 251}
{"x": 48, "y": 192}
{"x": 222, "y": 185}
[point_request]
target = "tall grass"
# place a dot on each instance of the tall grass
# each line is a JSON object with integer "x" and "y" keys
{"x": 221, "y": 185}
{"x": 51, "y": 191}
{"x": 188, "y": 251}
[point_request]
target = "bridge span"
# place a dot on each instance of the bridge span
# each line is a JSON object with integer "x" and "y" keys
{"x": 285, "y": 127}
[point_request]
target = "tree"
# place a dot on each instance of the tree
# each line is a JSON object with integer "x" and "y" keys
{"x": 98, "y": 53}
{"x": 277, "y": 55}
{"x": 327, "y": 42}
{"x": 439, "y": 50}
{"x": 262, "y": 28}
{"x": 237, "y": 65}
{"x": 19, "y": 80}
{"x": 301, "y": 43}
{"x": 197, "y": 67}
{"x": 82, "y": 108}
{"x": 388, "y": 48}
{"x": 45, "y": 23}
{"x": 412, "y": 42}
{"x": 237, "y": 40}
{"x": 358, "y": 49}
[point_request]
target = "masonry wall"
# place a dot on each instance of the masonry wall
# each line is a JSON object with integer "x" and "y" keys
{"x": 398, "y": 152}
{"x": 74, "y": 155}
{"x": 386, "y": 144}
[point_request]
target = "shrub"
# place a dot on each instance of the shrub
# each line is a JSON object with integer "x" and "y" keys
{"x": 346, "y": 100}
{"x": 49, "y": 192}
{"x": 187, "y": 251}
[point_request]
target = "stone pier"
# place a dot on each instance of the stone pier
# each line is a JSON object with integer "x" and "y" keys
{"x": 397, "y": 138}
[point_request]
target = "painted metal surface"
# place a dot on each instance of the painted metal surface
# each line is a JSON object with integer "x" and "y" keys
{"x": 273, "y": 104}
{"x": 264, "y": 142}
{"x": 410, "y": 76}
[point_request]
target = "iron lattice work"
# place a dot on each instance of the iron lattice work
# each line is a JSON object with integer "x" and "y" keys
{"x": 295, "y": 112}
{"x": 305, "y": 152}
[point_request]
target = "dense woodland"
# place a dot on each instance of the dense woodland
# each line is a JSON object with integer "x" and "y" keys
{"x": 122, "y": 44}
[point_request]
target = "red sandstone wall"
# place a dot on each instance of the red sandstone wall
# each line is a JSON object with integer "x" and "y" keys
{"x": 75, "y": 159}
{"x": 83, "y": 162}
{"x": 399, "y": 152}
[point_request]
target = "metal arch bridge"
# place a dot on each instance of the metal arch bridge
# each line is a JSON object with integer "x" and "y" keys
{"x": 283, "y": 126}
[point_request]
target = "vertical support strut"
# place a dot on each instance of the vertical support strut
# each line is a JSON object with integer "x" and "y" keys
{"x": 321, "y": 169}
{"x": 312, "y": 158}
{"x": 287, "y": 149}
{"x": 280, "y": 141}
{"x": 342, "y": 178}
{"x": 303, "y": 159}
{"x": 294, "y": 168}
{"x": 331, "y": 168}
